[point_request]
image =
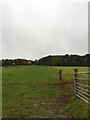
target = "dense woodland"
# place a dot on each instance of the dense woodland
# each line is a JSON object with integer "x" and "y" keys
{"x": 58, "y": 60}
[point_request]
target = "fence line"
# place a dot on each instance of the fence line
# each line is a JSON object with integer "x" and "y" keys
{"x": 81, "y": 90}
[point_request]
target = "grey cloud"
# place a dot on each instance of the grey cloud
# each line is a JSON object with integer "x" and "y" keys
{"x": 32, "y": 29}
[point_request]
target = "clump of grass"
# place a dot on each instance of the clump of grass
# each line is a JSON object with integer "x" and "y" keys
{"x": 77, "y": 108}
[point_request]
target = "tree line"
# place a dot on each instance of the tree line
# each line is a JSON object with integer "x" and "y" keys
{"x": 56, "y": 60}
{"x": 7, "y": 62}
{"x": 64, "y": 60}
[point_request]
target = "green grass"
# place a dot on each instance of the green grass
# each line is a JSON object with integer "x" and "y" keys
{"x": 68, "y": 72}
{"x": 35, "y": 92}
{"x": 25, "y": 89}
{"x": 76, "y": 106}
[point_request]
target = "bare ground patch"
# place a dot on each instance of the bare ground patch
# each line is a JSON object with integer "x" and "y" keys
{"x": 61, "y": 84}
{"x": 60, "y": 102}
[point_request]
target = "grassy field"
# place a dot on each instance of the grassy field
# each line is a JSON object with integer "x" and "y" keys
{"x": 35, "y": 92}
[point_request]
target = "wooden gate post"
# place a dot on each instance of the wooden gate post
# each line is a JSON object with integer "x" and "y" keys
{"x": 75, "y": 80}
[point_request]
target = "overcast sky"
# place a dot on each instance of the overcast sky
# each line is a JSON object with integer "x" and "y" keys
{"x": 32, "y": 29}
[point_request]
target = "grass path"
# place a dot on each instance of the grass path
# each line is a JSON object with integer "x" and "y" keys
{"x": 63, "y": 99}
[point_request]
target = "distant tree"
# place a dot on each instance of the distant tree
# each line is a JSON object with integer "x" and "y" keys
{"x": 7, "y": 62}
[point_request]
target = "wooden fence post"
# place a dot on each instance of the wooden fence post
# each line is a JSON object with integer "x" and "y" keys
{"x": 59, "y": 75}
{"x": 75, "y": 80}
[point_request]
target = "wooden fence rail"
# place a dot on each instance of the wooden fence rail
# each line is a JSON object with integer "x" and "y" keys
{"x": 81, "y": 90}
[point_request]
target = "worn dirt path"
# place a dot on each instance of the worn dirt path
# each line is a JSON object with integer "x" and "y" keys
{"x": 63, "y": 99}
